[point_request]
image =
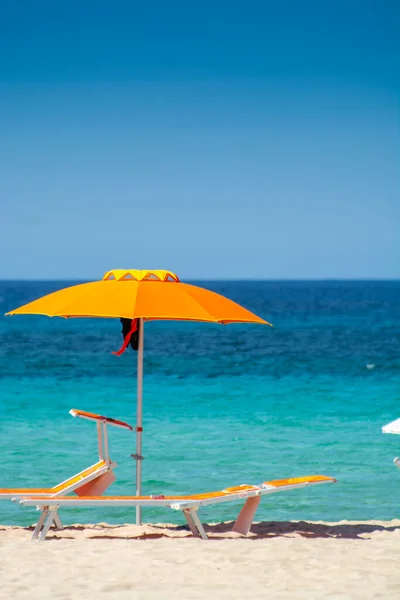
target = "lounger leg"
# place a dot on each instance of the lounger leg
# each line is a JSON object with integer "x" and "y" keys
{"x": 188, "y": 516}
{"x": 47, "y": 524}
{"x": 57, "y": 522}
{"x": 39, "y": 524}
{"x": 199, "y": 525}
{"x": 246, "y": 515}
{"x": 195, "y": 525}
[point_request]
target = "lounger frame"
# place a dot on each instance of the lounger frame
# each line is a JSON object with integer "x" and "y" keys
{"x": 189, "y": 505}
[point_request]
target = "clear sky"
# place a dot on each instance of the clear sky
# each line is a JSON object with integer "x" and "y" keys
{"x": 216, "y": 139}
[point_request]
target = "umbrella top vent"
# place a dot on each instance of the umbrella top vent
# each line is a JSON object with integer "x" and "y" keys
{"x": 140, "y": 275}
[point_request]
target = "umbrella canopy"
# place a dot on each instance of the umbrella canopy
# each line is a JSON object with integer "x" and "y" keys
{"x": 148, "y": 295}
{"x": 145, "y": 296}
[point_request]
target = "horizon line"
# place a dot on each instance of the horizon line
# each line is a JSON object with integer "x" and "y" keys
{"x": 216, "y": 279}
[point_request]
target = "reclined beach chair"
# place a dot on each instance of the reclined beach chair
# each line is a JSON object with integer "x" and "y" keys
{"x": 189, "y": 505}
{"x": 393, "y": 427}
{"x": 92, "y": 481}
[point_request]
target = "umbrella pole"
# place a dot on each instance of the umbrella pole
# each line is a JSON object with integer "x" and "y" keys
{"x": 139, "y": 414}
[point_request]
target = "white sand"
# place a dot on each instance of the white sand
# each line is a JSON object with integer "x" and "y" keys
{"x": 346, "y": 560}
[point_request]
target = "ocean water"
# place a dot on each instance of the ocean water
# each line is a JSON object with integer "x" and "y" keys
{"x": 223, "y": 405}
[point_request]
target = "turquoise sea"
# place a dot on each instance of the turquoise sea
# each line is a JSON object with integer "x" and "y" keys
{"x": 223, "y": 405}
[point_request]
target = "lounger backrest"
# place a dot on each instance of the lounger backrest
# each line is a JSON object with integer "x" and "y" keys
{"x": 95, "y": 470}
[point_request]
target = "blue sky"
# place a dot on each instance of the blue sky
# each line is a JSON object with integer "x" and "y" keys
{"x": 221, "y": 140}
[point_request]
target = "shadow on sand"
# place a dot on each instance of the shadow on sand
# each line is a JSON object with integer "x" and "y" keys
{"x": 269, "y": 529}
{"x": 262, "y": 530}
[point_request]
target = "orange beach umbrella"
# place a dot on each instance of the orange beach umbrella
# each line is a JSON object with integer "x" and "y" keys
{"x": 143, "y": 296}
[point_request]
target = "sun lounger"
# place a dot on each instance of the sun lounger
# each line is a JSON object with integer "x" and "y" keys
{"x": 393, "y": 427}
{"x": 92, "y": 481}
{"x": 189, "y": 505}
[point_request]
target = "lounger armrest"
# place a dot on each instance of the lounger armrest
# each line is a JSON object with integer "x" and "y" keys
{"x": 99, "y": 418}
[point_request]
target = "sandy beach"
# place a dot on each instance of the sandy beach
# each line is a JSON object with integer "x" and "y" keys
{"x": 316, "y": 560}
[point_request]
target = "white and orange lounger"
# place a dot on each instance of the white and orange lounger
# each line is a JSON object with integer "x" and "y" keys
{"x": 189, "y": 505}
{"x": 393, "y": 427}
{"x": 92, "y": 481}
